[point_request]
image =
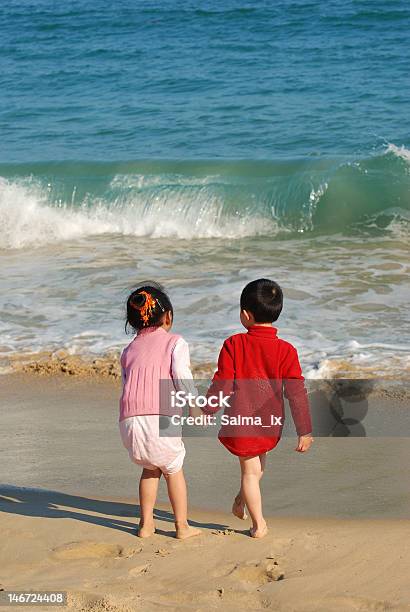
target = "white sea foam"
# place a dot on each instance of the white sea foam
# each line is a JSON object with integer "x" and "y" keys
{"x": 354, "y": 359}
{"x": 401, "y": 152}
{"x": 28, "y": 219}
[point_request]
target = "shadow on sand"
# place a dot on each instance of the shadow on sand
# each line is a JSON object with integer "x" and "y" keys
{"x": 53, "y": 504}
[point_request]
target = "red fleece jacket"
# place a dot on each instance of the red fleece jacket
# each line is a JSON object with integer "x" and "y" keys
{"x": 259, "y": 368}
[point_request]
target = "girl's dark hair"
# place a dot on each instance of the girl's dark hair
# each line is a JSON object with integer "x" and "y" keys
{"x": 264, "y": 299}
{"x": 146, "y": 306}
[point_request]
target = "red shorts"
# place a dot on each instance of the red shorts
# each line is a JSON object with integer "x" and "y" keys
{"x": 248, "y": 447}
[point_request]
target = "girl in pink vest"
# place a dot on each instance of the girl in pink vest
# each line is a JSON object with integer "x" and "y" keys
{"x": 154, "y": 357}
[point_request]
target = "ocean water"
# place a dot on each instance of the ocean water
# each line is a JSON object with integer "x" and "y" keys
{"x": 205, "y": 144}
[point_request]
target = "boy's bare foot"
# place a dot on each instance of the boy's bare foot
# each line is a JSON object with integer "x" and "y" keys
{"x": 146, "y": 530}
{"x": 238, "y": 509}
{"x": 259, "y": 532}
{"x": 185, "y": 531}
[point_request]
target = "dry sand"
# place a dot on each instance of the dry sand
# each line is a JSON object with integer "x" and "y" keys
{"x": 89, "y": 549}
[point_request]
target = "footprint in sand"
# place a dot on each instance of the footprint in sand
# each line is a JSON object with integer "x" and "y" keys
{"x": 87, "y": 550}
{"x": 258, "y": 573}
{"x": 223, "y": 532}
{"x": 139, "y": 570}
{"x": 162, "y": 552}
{"x": 94, "y": 550}
{"x": 273, "y": 571}
{"x": 129, "y": 551}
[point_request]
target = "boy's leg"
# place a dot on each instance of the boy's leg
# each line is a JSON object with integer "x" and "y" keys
{"x": 178, "y": 497}
{"x": 148, "y": 490}
{"x": 239, "y": 507}
{"x": 251, "y": 472}
{"x": 262, "y": 459}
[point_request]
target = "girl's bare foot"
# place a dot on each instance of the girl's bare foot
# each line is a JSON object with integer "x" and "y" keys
{"x": 238, "y": 508}
{"x": 146, "y": 530}
{"x": 183, "y": 532}
{"x": 259, "y": 532}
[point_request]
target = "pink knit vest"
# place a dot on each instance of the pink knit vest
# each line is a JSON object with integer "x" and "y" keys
{"x": 145, "y": 362}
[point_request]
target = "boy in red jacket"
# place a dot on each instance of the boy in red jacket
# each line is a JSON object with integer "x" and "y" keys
{"x": 256, "y": 368}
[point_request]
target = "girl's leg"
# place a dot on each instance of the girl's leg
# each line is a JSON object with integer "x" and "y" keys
{"x": 148, "y": 490}
{"x": 178, "y": 497}
{"x": 251, "y": 473}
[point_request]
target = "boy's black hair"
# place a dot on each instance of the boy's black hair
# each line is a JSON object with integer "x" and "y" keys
{"x": 264, "y": 299}
{"x": 136, "y": 302}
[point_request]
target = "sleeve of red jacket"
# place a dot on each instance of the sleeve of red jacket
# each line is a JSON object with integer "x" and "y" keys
{"x": 223, "y": 379}
{"x": 295, "y": 392}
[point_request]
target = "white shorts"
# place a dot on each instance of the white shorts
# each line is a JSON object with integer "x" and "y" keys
{"x": 140, "y": 436}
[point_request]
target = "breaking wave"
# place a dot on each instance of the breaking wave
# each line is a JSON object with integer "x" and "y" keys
{"x": 48, "y": 203}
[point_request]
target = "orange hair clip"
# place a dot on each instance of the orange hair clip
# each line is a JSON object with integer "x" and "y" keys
{"x": 147, "y": 308}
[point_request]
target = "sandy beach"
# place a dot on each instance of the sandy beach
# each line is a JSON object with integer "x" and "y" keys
{"x": 338, "y": 516}
{"x": 88, "y": 548}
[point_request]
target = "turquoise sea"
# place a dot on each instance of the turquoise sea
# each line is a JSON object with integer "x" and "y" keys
{"x": 204, "y": 144}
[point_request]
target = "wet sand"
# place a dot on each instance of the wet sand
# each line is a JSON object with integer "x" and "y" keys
{"x": 61, "y": 433}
